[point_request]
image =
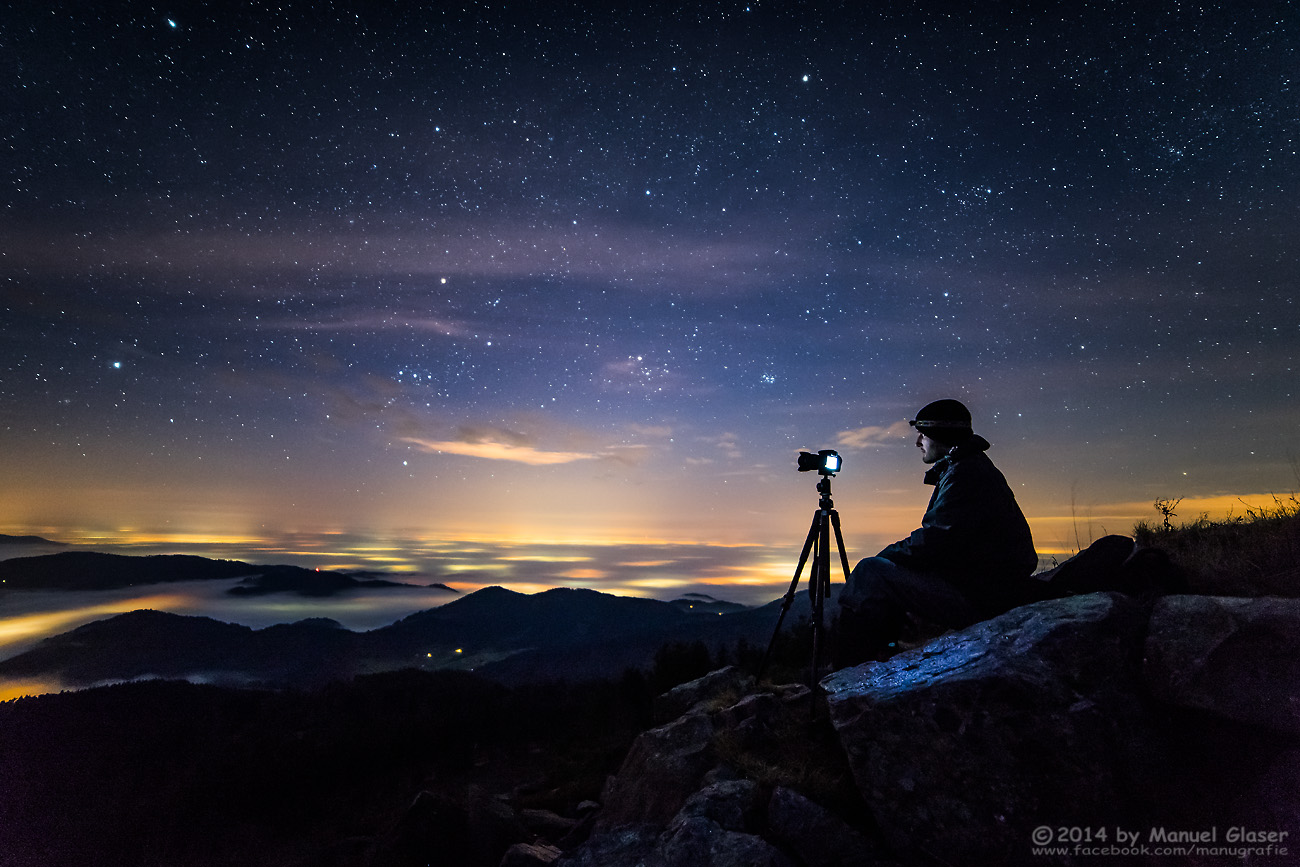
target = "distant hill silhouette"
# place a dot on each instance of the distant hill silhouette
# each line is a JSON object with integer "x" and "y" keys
{"x": 27, "y": 540}
{"x": 510, "y": 637}
{"x": 93, "y": 570}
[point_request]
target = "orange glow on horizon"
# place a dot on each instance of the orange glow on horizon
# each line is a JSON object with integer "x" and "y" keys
{"x": 396, "y": 541}
{"x": 487, "y": 559}
{"x": 11, "y": 689}
{"x": 584, "y": 574}
{"x": 1053, "y": 530}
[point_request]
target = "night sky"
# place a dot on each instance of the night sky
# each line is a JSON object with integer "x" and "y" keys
{"x": 569, "y": 289}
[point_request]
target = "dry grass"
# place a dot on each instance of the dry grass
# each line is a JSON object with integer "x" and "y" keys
{"x": 1256, "y": 553}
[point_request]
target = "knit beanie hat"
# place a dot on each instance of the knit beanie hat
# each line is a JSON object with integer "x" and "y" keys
{"x": 945, "y": 421}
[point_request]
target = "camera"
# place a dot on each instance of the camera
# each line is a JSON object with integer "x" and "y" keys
{"x": 827, "y": 462}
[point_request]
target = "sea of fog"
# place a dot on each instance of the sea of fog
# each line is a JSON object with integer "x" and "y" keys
{"x": 747, "y": 574}
{"x": 28, "y": 616}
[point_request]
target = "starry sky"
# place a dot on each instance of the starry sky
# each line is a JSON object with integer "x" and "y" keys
{"x": 544, "y": 294}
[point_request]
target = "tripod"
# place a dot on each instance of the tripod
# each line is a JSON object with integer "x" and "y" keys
{"x": 819, "y": 582}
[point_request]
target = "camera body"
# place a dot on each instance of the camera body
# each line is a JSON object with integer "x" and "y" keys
{"x": 827, "y": 462}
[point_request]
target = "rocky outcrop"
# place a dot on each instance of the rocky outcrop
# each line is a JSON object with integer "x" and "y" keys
{"x": 1090, "y": 712}
{"x": 1030, "y": 719}
{"x": 704, "y": 790}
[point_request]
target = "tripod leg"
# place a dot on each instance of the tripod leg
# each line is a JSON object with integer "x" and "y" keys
{"x": 837, "y": 641}
{"x": 789, "y": 594}
{"x": 817, "y": 589}
{"x": 839, "y": 539}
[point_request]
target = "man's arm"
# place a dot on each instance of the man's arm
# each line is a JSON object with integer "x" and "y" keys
{"x": 947, "y": 539}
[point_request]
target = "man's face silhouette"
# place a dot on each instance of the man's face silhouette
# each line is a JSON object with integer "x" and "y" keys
{"x": 931, "y": 450}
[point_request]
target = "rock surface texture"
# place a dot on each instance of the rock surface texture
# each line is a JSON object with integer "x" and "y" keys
{"x": 1235, "y": 658}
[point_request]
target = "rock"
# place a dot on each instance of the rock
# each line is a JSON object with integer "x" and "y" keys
{"x": 751, "y": 719}
{"x": 662, "y": 769}
{"x": 816, "y": 835}
{"x": 714, "y": 686}
{"x": 964, "y": 746}
{"x": 731, "y": 805}
{"x": 530, "y": 855}
{"x": 792, "y": 693}
{"x": 699, "y": 842}
{"x": 1113, "y": 563}
{"x": 763, "y": 707}
{"x": 547, "y": 824}
{"x": 712, "y": 829}
{"x": 626, "y": 846}
{"x": 1236, "y": 658}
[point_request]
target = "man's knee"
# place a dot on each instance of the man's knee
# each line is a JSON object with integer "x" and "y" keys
{"x": 866, "y": 582}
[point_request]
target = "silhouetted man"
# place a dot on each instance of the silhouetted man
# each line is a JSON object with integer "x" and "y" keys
{"x": 971, "y": 558}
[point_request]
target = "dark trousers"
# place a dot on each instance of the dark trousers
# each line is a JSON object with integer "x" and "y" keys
{"x": 874, "y": 605}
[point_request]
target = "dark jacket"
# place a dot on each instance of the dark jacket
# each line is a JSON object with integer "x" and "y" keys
{"x": 973, "y": 533}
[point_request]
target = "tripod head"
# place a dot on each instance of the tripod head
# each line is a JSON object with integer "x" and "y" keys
{"x": 824, "y": 488}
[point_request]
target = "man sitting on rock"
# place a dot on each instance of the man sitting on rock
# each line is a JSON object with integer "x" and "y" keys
{"x": 971, "y": 558}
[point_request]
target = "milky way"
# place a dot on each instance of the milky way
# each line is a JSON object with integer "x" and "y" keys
{"x": 535, "y": 272}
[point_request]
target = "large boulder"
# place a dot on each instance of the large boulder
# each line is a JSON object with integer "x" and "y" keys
{"x": 1238, "y": 659}
{"x": 963, "y": 747}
